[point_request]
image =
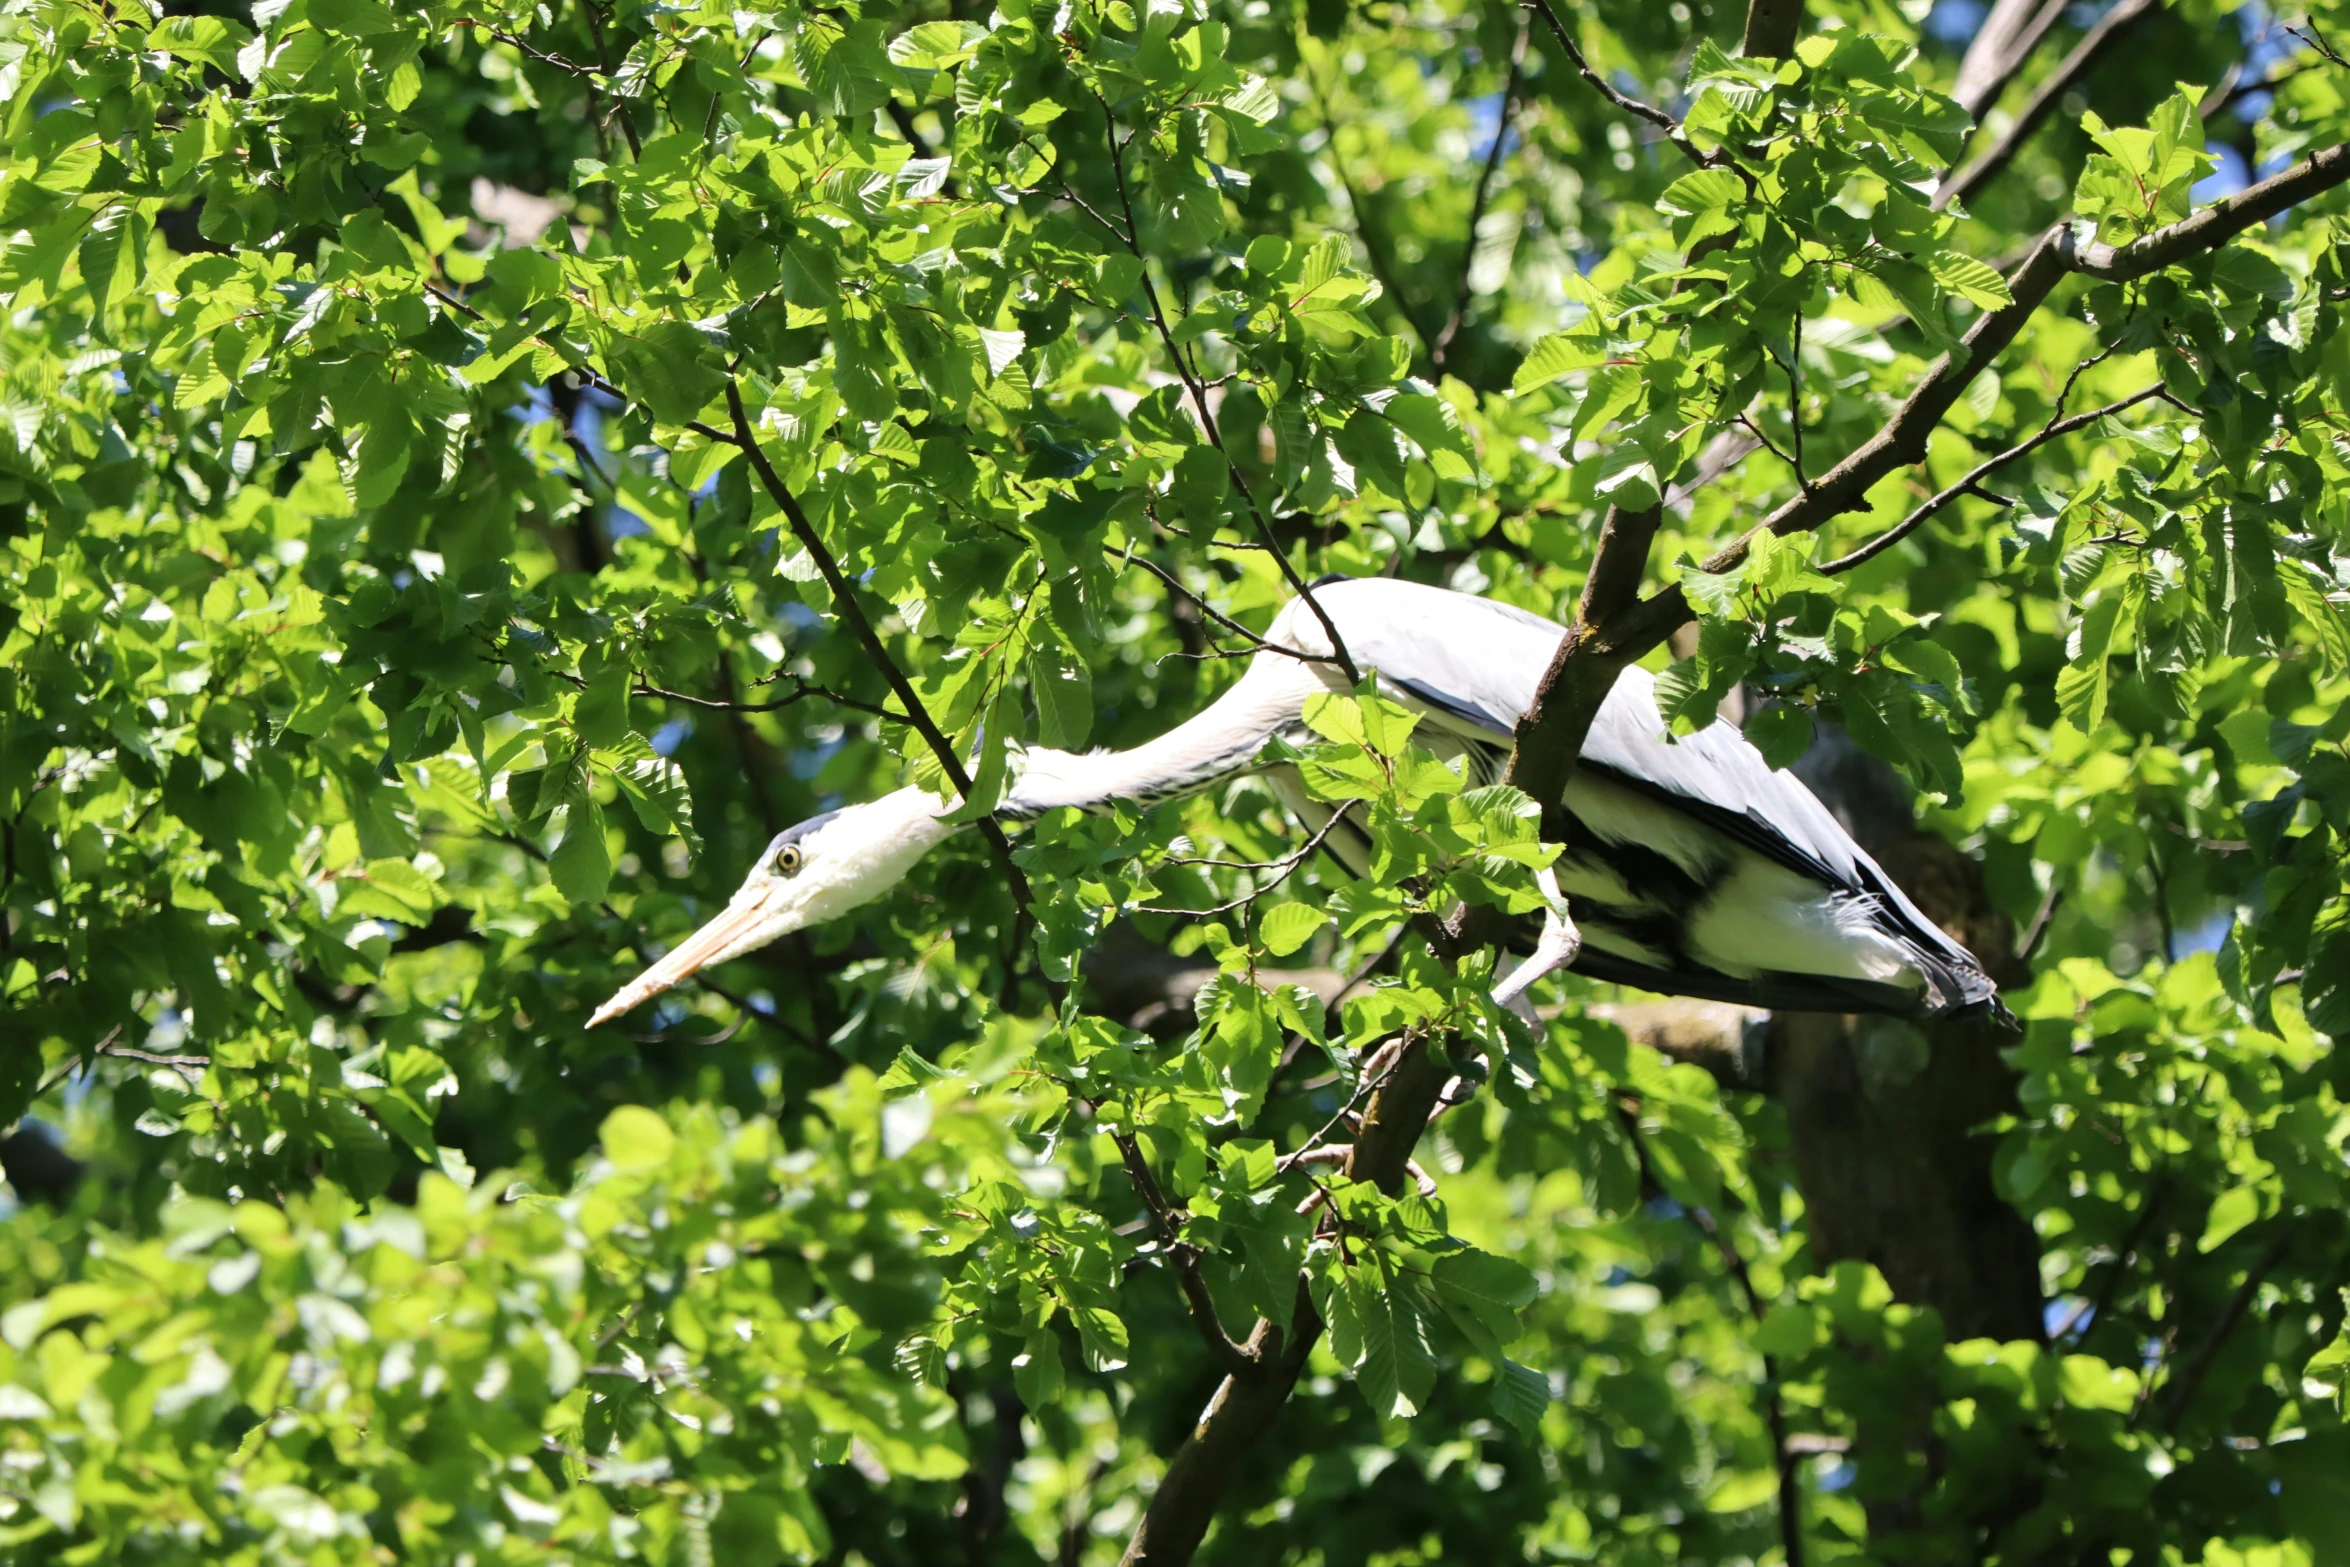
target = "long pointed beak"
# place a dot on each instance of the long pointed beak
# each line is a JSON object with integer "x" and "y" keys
{"x": 714, "y": 941}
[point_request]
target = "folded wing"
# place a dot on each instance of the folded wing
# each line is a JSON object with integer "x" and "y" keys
{"x": 1692, "y": 867}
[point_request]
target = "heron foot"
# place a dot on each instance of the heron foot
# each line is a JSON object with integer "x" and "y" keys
{"x": 1558, "y": 946}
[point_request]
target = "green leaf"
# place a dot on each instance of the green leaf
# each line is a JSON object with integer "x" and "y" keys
{"x": 210, "y": 40}
{"x": 1520, "y": 1395}
{"x": 1781, "y": 732}
{"x": 1743, "y": 1490}
{"x": 1063, "y": 691}
{"x": 637, "y": 1139}
{"x": 669, "y": 367}
{"x": 1037, "y": 1371}
{"x": 581, "y": 865}
{"x": 360, "y": 17}
{"x": 1288, "y": 926}
{"x": 600, "y": 716}
{"x": 1556, "y": 355}
{"x": 1102, "y": 1336}
{"x": 389, "y": 889}
{"x": 108, "y": 252}
{"x": 1970, "y": 279}
{"x": 2230, "y": 1211}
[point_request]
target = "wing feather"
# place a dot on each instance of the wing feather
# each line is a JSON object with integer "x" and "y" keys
{"x": 1474, "y": 665}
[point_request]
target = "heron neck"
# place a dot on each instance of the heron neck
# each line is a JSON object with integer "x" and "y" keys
{"x": 1221, "y": 741}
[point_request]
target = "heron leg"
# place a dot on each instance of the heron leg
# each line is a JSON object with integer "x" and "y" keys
{"x": 1559, "y": 943}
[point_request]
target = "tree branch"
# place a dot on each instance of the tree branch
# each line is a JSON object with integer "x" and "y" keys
{"x": 2059, "y": 253}
{"x": 1199, "y": 400}
{"x": 2110, "y": 29}
{"x": 2001, "y": 47}
{"x": 2177, "y": 1398}
{"x": 1282, "y": 867}
{"x": 1606, "y": 89}
{"x": 1550, "y": 736}
{"x": 1771, "y": 26}
{"x": 844, "y": 596}
{"x": 806, "y": 690}
{"x": 1244, "y": 1406}
{"x": 1783, "y": 1450}
{"x": 1974, "y": 477}
{"x": 1382, "y": 262}
{"x": 1501, "y": 135}
{"x": 1215, "y": 614}
{"x": 1229, "y": 1357}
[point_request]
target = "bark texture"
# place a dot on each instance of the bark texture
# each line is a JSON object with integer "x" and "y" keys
{"x": 1886, "y": 1116}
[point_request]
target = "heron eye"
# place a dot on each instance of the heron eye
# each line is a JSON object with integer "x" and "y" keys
{"x": 788, "y": 861}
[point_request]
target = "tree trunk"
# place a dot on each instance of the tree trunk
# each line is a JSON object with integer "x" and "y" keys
{"x": 1886, "y": 1119}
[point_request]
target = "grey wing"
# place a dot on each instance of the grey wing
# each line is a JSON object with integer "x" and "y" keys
{"x": 1475, "y": 665}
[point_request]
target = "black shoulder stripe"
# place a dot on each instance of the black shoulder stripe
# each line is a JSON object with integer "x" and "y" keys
{"x": 1326, "y": 578}
{"x": 1474, "y": 717}
{"x": 1747, "y": 827}
{"x": 1776, "y": 992}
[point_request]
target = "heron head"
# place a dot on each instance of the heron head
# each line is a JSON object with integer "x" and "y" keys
{"x": 816, "y": 871}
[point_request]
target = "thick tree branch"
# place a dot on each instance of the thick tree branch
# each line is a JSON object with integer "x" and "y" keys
{"x": 1771, "y": 26}
{"x": 844, "y": 597}
{"x": 2001, "y": 47}
{"x": 1245, "y": 1405}
{"x": 2110, "y": 29}
{"x": 1550, "y": 736}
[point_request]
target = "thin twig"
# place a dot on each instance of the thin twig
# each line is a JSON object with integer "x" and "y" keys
{"x": 1771, "y": 446}
{"x": 1911, "y": 523}
{"x": 806, "y": 689}
{"x": 1230, "y": 1358}
{"x": 1794, "y": 369}
{"x": 523, "y": 46}
{"x": 1774, "y": 1412}
{"x": 1606, "y": 89}
{"x": 1199, "y": 399}
{"x": 2318, "y": 41}
{"x": 1377, "y": 1069}
{"x": 2094, "y": 1312}
{"x": 2182, "y": 1392}
{"x": 126, "y": 1053}
{"x": 1285, "y": 866}
{"x": 844, "y": 597}
{"x": 2064, "y": 393}
{"x": 1382, "y": 262}
{"x": 1501, "y": 135}
{"x": 77, "y": 1061}
{"x": 2162, "y": 919}
{"x": 1257, "y": 644}
{"x": 2039, "y": 926}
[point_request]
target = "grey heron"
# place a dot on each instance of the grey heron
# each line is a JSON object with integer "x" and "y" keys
{"x": 1689, "y": 865}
